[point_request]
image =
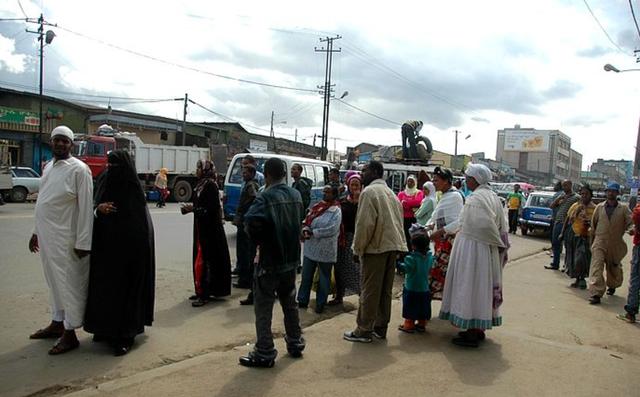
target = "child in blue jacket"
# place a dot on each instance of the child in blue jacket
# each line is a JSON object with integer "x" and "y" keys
{"x": 416, "y": 300}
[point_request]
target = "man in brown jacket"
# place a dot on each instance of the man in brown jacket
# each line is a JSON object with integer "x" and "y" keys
{"x": 611, "y": 219}
{"x": 379, "y": 237}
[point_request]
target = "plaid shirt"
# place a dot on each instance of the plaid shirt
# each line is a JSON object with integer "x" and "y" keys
{"x": 563, "y": 208}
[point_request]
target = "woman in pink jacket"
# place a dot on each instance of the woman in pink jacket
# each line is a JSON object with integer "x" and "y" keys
{"x": 411, "y": 198}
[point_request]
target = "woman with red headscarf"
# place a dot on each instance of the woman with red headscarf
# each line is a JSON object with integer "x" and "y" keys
{"x": 211, "y": 262}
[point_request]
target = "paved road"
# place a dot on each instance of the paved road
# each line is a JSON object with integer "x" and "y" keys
{"x": 179, "y": 332}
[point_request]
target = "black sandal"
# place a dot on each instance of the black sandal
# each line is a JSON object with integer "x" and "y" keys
{"x": 199, "y": 302}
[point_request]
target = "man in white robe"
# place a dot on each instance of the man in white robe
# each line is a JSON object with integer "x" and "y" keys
{"x": 62, "y": 235}
{"x": 473, "y": 287}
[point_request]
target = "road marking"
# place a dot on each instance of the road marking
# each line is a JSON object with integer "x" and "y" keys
{"x": 27, "y": 216}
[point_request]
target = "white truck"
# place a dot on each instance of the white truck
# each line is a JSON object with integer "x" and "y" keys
{"x": 179, "y": 160}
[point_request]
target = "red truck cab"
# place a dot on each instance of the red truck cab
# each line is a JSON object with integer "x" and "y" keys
{"x": 92, "y": 150}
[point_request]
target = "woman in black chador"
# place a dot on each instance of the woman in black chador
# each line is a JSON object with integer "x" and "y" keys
{"x": 211, "y": 262}
{"x": 122, "y": 276}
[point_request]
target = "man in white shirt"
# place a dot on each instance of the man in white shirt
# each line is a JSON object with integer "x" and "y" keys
{"x": 62, "y": 235}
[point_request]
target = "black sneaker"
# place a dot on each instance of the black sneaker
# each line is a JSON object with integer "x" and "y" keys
{"x": 611, "y": 291}
{"x": 352, "y": 337}
{"x": 295, "y": 348}
{"x": 252, "y": 361}
{"x": 379, "y": 334}
{"x": 465, "y": 342}
{"x": 594, "y": 300}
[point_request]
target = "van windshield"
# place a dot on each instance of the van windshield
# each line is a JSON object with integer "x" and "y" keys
{"x": 235, "y": 175}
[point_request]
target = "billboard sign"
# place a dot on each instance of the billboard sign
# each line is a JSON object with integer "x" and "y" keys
{"x": 258, "y": 146}
{"x": 526, "y": 141}
{"x": 18, "y": 116}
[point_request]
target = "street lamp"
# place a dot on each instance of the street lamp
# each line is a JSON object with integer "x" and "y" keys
{"x": 636, "y": 168}
{"x": 455, "y": 150}
{"x": 610, "y": 68}
{"x": 44, "y": 39}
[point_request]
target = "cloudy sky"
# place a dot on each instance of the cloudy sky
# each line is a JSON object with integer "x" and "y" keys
{"x": 474, "y": 66}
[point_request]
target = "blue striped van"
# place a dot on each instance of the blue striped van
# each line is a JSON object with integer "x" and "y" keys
{"x": 316, "y": 170}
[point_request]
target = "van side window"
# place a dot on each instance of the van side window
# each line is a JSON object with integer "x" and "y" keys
{"x": 322, "y": 176}
{"x": 236, "y": 172}
{"x": 309, "y": 172}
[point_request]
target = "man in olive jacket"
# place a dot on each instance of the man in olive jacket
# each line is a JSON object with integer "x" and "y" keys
{"x": 273, "y": 224}
{"x": 378, "y": 239}
{"x": 611, "y": 219}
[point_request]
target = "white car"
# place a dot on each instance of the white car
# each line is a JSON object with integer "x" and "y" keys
{"x": 25, "y": 182}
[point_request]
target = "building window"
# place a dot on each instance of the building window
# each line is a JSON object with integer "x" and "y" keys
{"x": 164, "y": 136}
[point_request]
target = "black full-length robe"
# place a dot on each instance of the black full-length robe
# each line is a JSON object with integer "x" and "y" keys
{"x": 122, "y": 275}
{"x": 211, "y": 261}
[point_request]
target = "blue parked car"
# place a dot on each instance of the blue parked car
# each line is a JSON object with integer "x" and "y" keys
{"x": 536, "y": 214}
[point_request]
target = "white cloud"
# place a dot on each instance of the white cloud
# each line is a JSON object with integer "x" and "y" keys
{"x": 473, "y": 66}
{"x": 9, "y": 60}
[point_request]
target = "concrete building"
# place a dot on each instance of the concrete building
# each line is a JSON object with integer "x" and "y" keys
{"x": 19, "y": 123}
{"x": 611, "y": 172}
{"x": 543, "y": 156}
{"x": 597, "y": 180}
{"x": 624, "y": 167}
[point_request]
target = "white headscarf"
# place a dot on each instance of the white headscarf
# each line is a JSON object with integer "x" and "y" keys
{"x": 411, "y": 191}
{"x": 432, "y": 193}
{"x": 480, "y": 172}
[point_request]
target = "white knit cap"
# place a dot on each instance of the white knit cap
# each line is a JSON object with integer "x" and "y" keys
{"x": 62, "y": 130}
{"x": 480, "y": 172}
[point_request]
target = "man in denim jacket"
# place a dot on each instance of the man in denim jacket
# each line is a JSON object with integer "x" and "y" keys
{"x": 273, "y": 224}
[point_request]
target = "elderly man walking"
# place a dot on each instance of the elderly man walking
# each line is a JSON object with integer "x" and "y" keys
{"x": 62, "y": 235}
{"x": 379, "y": 238}
{"x": 473, "y": 288}
{"x": 611, "y": 219}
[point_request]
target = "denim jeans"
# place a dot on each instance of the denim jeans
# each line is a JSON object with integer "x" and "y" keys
{"x": 267, "y": 287}
{"x": 634, "y": 283}
{"x": 308, "y": 270}
{"x": 556, "y": 244}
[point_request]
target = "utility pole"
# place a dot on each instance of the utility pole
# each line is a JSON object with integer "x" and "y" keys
{"x": 455, "y": 151}
{"x": 295, "y": 136}
{"x": 184, "y": 120}
{"x": 636, "y": 165}
{"x": 326, "y": 91}
{"x": 271, "y": 133}
{"x": 42, "y": 38}
{"x": 334, "y": 150}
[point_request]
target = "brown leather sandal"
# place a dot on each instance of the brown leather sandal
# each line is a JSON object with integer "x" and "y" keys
{"x": 62, "y": 347}
{"x": 46, "y": 333}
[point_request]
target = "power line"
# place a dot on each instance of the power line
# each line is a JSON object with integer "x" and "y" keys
{"x": 633, "y": 14}
{"x": 24, "y": 86}
{"x": 363, "y": 55}
{"x": 366, "y": 112}
{"x": 603, "y": 29}
{"x": 190, "y": 68}
{"x": 22, "y": 9}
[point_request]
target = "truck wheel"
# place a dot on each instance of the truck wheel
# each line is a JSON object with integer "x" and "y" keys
{"x": 182, "y": 191}
{"x": 19, "y": 194}
{"x": 524, "y": 231}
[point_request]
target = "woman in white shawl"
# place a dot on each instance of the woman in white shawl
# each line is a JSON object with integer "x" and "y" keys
{"x": 444, "y": 223}
{"x": 473, "y": 288}
{"x": 428, "y": 205}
